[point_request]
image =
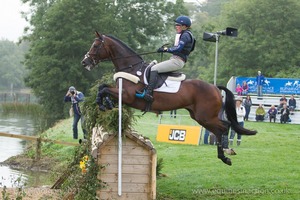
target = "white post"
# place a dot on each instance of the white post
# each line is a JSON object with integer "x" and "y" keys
{"x": 216, "y": 59}
{"x": 120, "y": 139}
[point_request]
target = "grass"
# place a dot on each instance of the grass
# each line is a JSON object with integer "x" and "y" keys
{"x": 266, "y": 165}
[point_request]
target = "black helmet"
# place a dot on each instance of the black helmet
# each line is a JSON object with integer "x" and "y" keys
{"x": 183, "y": 20}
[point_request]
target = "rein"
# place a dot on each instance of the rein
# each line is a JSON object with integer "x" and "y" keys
{"x": 138, "y": 54}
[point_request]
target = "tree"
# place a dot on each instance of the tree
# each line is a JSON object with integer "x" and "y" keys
{"x": 267, "y": 38}
{"x": 61, "y": 33}
{"x": 12, "y": 71}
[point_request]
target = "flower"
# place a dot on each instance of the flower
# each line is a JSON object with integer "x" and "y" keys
{"x": 83, "y": 164}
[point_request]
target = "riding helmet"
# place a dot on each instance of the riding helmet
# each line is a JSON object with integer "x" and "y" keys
{"x": 183, "y": 20}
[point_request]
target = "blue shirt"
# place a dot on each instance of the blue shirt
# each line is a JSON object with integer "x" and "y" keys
{"x": 260, "y": 79}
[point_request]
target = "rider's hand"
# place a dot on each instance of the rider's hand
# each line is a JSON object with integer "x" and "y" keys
{"x": 162, "y": 49}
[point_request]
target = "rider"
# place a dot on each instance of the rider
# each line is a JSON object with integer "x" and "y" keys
{"x": 183, "y": 46}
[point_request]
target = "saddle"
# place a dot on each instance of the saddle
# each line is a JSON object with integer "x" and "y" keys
{"x": 164, "y": 79}
{"x": 167, "y": 82}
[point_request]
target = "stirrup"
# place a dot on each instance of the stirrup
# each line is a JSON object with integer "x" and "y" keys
{"x": 140, "y": 94}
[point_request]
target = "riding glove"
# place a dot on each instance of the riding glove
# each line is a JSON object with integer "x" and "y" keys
{"x": 162, "y": 49}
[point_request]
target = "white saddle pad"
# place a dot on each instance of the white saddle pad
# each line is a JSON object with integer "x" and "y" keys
{"x": 169, "y": 86}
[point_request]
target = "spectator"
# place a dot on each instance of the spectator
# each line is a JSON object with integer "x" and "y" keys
{"x": 285, "y": 113}
{"x": 209, "y": 138}
{"x": 260, "y": 80}
{"x": 245, "y": 88}
{"x": 173, "y": 113}
{"x": 206, "y": 136}
{"x": 247, "y": 105}
{"x": 75, "y": 97}
{"x": 292, "y": 104}
{"x": 239, "y": 89}
{"x": 272, "y": 113}
{"x": 240, "y": 112}
{"x": 282, "y": 101}
{"x": 260, "y": 113}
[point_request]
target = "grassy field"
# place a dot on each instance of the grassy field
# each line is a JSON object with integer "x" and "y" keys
{"x": 266, "y": 166}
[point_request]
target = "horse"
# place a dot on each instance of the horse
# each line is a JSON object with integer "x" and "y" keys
{"x": 202, "y": 100}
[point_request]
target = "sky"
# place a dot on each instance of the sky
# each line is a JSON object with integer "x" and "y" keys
{"x": 11, "y": 22}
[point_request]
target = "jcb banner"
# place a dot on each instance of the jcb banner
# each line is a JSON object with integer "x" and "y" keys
{"x": 179, "y": 134}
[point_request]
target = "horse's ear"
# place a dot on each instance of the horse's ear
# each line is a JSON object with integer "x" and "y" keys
{"x": 98, "y": 35}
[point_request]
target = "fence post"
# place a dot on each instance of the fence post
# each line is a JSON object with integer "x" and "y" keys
{"x": 120, "y": 139}
{"x": 38, "y": 149}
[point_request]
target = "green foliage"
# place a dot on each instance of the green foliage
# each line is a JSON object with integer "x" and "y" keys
{"x": 32, "y": 110}
{"x": 109, "y": 119}
{"x": 62, "y": 33}
{"x": 159, "y": 167}
{"x": 83, "y": 184}
{"x": 21, "y": 108}
{"x": 12, "y": 71}
{"x": 266, "y": 39}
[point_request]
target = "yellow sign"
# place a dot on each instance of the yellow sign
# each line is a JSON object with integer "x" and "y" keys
{"x": 179, "y": 134}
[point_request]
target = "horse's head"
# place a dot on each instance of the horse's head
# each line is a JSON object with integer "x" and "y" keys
{"x": 108, "y": 47}
{"x": 96, "y": 54}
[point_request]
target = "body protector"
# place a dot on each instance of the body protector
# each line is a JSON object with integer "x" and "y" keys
{"x": 186, "y": 45}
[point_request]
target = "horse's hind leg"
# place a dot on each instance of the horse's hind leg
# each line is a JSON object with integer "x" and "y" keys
{"x": 224, "y": 139}
{"x": 220, "y": 130}
{"x": 216, "y": 126}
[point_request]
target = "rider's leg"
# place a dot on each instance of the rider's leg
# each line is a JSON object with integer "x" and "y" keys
{"x": 162, "y": 67}
{"x": 151, "y": 84}
{"x": 168, "y": 65}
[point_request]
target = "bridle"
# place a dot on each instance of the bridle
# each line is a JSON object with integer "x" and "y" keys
{"x": 93, "y": 57}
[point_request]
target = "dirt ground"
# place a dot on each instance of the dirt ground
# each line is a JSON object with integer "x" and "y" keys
{"x": 41, "y": 193}
{"x": 30, "y": 193}
{"x": 22, "y": 162}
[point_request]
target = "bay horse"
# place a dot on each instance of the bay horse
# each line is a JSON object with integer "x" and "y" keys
{"x": 203, "y": 100}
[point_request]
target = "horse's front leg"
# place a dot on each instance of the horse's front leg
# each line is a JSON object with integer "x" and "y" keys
{"x": 103, "y": 98}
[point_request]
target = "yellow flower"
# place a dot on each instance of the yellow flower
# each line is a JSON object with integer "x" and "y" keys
{"x": 83, "y": 164}
{"x": 85, "y": 158}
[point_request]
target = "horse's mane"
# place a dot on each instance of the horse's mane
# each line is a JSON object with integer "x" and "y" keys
{"x": 123, "y": 44}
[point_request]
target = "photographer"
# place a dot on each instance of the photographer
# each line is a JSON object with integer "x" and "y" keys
{"x": 75, "y": 97}
{"x": 240, "y": 113}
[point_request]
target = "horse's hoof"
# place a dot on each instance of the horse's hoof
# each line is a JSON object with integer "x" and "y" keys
{"x": 98, "y": 100}
{"x": 108, "y": 103}
{"x": 102, "y": 107}
{"x": 227, "y": 161}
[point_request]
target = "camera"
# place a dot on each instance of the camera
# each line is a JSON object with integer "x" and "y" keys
{"x": 72, "y": 92}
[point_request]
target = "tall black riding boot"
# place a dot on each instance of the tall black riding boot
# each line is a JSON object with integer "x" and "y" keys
{"x": 149, "y": 89}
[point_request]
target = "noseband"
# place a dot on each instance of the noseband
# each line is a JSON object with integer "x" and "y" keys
{"x": 95, "y": 57}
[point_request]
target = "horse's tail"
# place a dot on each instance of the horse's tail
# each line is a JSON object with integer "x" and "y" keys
{"x": 231, "y": 113}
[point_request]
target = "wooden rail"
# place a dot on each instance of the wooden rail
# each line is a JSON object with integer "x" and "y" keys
{"x": 38, "y": 141}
